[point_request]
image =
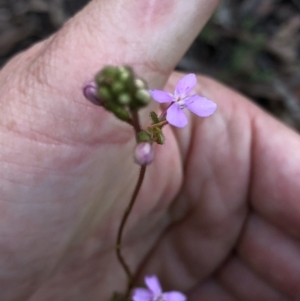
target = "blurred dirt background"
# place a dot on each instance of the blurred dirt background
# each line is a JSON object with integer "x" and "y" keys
{"x": 251, "y": 45}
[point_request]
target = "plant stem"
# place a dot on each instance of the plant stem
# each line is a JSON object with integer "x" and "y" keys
{"x": 164, "y": 113}
{"x": 130, "y": 277}
{"x": 160, "y": 124}
{"x": 135, "y": 121}
{"x": 122, "y": 226}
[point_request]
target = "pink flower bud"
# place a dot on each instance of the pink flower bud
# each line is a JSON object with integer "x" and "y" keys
{"x": 90, "y": 93}
{"x": 143, "y": 153}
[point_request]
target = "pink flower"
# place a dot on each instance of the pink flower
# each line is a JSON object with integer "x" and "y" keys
{"x": 180, "y": 100}
{"x": 153, "y": 292}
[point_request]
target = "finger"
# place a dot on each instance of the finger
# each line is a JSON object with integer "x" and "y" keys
{"x": 211, "y": 207}
{"x": 275, "y": 173}
{"x": 237, "y": 278}
{"x": 272, "y": 254}
{"x": 150, "y": 35}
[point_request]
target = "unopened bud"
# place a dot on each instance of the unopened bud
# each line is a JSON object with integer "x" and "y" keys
{"x": 125, "y": 73}
{"x": 104, "y": 94}
{"x": 139, "y": 83}
{"x": 117, "y": 88}
{"x": 90, "y": 93}
{"x": 124, "y": 99}
{"x": 143, "y": 96}
{"x": 107, "y": 75}
{"x": 143, "y": 153}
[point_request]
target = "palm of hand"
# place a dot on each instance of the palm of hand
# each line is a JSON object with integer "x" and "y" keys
{"x": 218, "y": 214}
{"x": 217, "y": 209}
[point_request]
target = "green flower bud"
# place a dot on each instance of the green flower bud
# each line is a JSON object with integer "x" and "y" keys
{"x": 122, "y": 114}
{"x": 118, "y": 111}
{"x": 110, "y": 71}
{"x": 117, "y": 88}
{"x": 104, "y": 94}
{"x": 143, "y": 97}
{"x": 139, "y": 83}
{"x": 124, "y": 99}
{"x": 107, "y": 75}
{"x": 125, "y": 74}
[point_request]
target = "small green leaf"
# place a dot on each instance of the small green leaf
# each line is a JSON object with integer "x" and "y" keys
{"x": 158, "y": 136}
{"x": 143, "y": 136}
{"x": 154, "y": 117}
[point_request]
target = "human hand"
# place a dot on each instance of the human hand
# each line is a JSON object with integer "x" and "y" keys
{"x": 238, "y": 206}
{"x": 68, "y": 170}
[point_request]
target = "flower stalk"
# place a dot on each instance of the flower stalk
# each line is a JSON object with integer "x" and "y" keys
{"x": 119, "y": 91}
{"x": 129, "y": 274}
{"x": 130, "y": 278}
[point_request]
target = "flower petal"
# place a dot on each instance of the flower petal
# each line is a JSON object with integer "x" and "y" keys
{"x": 201, "y": 106}
{"x": 176, "y": 117}
{"x": 161, "y": 96}
{"x": 142, "y": 294}
{"x": 153, "y": 284}
{"x": 185, "y": 85}
{"x": 174, "y": 296}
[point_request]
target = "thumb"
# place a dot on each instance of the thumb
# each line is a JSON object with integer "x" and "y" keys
{"x": 53, "y": 149}
{"x": 151, "y": 35}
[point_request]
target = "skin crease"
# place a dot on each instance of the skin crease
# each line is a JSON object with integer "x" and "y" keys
{"x": 218, "y": 213}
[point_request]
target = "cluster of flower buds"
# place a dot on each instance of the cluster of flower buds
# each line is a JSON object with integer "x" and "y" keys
{"x": 120, "y": 91}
